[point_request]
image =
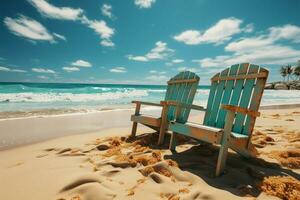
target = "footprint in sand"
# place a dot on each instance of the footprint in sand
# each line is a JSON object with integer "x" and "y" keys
{"x": 290, "y": 120}
{"x": 42, "y": 155}
{"x": 15, "y": 165}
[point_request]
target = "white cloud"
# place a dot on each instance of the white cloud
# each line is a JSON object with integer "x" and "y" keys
{"x": 137, "y": 58}
{"x": 270, "y": 54}
{"x": 43, "y": 70}
{"x": 144, "y": 3}
{"x": 43, "y": 77}
{"x": 262, "y": 49}
{"x": 29, "y": 28}
{"x": 222, "y": 31}
{"x": 288, "y": 32}
{"x": 103, "y": 30}
{"x": 71, "y": 69}
{"x": 106, "y": 10}
{"x": 81, "y": 63}
{"x": 6, "y": 69}
{"x": 67, "y": 13}
{"x": 157, "y": 77}
{"x": 192, "y": 69}
{"x": 50, "y": 11}
{"x": 157, "y": 72}
{"x": 60, "y": 36}
{"x": 177, "y": 61}
{"x": 159, "y": 52}
{"x": 107, "y": 43}
{"x": 118, "y": 70}
{"x": 249, "y": 28}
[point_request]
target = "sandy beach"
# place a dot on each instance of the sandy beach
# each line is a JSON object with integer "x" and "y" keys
{"x": 106, "y": 164}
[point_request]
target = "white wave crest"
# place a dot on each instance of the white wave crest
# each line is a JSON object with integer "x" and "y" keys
{"x": 55, "y": 97}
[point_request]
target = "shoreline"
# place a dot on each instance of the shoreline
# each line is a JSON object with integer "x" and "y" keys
{"x": 12, "y": 115}
{"x": 17, "y": 132}
{"x": 23, "y": 131}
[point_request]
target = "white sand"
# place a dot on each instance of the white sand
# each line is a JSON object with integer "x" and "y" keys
{"x": 71, "y": 168}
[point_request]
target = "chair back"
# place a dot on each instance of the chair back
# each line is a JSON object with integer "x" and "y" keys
{"x": 182, "y": 89}
{"x": 240, "y": 85}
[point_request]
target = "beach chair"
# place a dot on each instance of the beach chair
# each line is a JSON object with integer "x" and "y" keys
{"x": 232, "y": 108}
{"x": 181, "y": 88}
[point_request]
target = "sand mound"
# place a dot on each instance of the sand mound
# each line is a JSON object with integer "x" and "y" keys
{"x": 293, "y": 136}
{"x": 260, "y": 139}
{"x": 289, "y": 158}
{"x": 284, "y": 187}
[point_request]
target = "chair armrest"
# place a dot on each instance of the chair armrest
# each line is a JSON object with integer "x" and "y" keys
{"x": 241, "y": 110}
{"x": 147, "y": 103}
{"x": 184, "y": 105}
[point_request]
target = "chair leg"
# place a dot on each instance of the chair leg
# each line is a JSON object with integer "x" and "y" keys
{"x": 163, "y": 125}
{"x": 225, "y": 143}
{"x": 161, "y": 136}
{"x": 222, "y": 159}
{"x": 173, "y": 142}
{"x": 133, "y": 130}
{"x": 134, "y": 125}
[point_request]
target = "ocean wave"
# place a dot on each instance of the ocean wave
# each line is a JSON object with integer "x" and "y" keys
{"x": 63, "y": 97}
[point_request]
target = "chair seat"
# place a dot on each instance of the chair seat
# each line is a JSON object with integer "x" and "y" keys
{"x": 202, "y": 132}
{"x": 147, "y": 120}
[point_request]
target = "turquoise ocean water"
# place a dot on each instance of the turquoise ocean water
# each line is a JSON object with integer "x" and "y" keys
{"x": 37, "y": 96}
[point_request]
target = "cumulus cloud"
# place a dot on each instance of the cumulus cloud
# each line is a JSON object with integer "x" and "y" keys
{"x": 81, "y": 63}
{"x": 43, "y": 70}
{"x": 192, "y": 69}
{"x": 263, "y": 49}
{"x": 157, "y": 72}
{"x": 107, "y": 43}
{"x": 144, "y": 3}
{"x": 6, "y": 69}
{"x": 159, "y": 52}
{"x": 177, "y": 61}
{"x": 102, "y": 29}
{"x": 67, "y": 13}
{"x": 50, "y": 11}
{"x": 43, "y": 77}
{"x": 106, "y": 10}
{"x": 222, "y": 31}
{"x": 71, "y": 69}
{"x": 118, "y": 70}
{"x": 30, "y": 29}
{"x": 157, "y": 75}
{"x": 157, "y": 78}
{"x": 287, "y": 32}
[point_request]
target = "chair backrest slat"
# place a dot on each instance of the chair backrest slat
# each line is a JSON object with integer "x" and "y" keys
{"x": 245, "y": 98}
{"x": 226, "y": 97}
{"x": 210, "y": 101}
{"x": 217, "y": 99}
{"x": 254, "y": 104}
{"x": 182, "y": 89}
{"x": 240, "y": 85}
{"x": 191, "y": 90}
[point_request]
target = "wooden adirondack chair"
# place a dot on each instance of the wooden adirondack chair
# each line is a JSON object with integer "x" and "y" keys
{"x": 181, "y": 88}
{"x": 232, "y": 108}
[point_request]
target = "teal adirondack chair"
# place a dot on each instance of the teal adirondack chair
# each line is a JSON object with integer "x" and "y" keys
{"x": 182, "y": 89}
{"x": 232, "y": 108}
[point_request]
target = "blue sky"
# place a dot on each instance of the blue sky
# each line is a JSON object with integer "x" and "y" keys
{"x": 143, "y": 41}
